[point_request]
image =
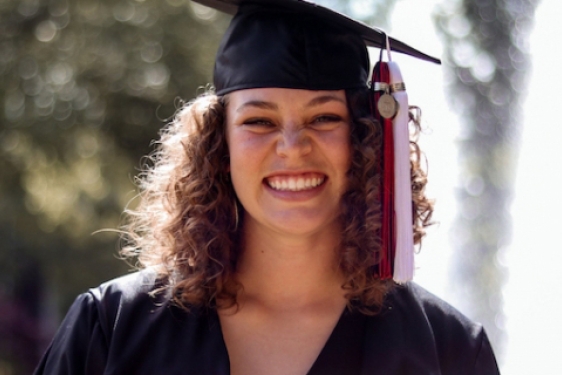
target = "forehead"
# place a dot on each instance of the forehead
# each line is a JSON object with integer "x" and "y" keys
{"x": 275, "y": 97}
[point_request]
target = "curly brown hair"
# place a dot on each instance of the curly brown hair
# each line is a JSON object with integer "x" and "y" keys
{"x": 186, "y": 226}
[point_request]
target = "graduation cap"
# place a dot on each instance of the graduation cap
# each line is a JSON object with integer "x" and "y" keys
{"x": 295, "y": 44}
{"x": 301, "y": 45}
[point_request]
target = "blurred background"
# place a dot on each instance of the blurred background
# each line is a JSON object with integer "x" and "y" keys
{"x": 86, "y": 85}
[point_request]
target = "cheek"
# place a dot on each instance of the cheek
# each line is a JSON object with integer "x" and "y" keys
{"x": 243, "y": 150}
{"x": 237, "y": 172}
{"x": 247, "y": 156}
{"x": 343, "y": 166}
{"x": 339, "y": 150}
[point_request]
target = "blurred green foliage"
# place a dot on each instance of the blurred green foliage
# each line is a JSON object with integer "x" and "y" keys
{"x": 85, "y": 85}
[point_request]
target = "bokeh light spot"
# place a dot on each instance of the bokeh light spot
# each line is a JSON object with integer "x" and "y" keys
{"x": 58, "y": 8}
{"x": 156, "y": 75}
{"x": 123, "y": 11}
{"x": 202, "y": 12}
{"x": 28, "y": 68}
{"x": 60, "y": 73}
{"x": 483, "y": 67}
{"x": 14, "y": 105}
{"x": 458, "y": 26}
{"x": 46, "y": 31}
{"x": 151, "y": 52}
{"x": 28, "y": 8}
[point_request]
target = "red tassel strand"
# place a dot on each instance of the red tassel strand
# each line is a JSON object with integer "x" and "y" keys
{"x": 380, "y": 81}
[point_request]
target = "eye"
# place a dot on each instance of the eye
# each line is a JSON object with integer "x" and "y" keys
{"x": 328, "y": 118}
{"x": 326, "y": 121}
{"x": 259, "y": 124}
{"x": 257, "y": 121}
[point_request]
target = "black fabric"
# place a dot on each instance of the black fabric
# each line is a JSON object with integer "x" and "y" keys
{"x": 118, "y": 329}
{"x": 371, "y": 36}
{"x": 274, "y": 47}
{"x": 343, "y": 352}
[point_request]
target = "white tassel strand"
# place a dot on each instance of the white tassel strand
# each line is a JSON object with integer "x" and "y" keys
{"x": 404, "y": 256}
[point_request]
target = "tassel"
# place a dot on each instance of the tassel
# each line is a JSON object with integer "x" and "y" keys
{"x": 404, "y": 252}
{"x": 380, "y": 85}
{"x": 397, "y": 237}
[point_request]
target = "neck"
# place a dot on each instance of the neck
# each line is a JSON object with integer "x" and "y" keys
{"x": 290, "y": 271}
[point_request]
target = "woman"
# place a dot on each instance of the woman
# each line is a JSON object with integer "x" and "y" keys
{"x": 259, "y": 228}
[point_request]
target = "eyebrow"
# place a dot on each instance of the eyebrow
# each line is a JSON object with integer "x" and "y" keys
{"x": 258, "y": 104}
{"x": 319, "y": 100}
{"x": 324, "y": 99}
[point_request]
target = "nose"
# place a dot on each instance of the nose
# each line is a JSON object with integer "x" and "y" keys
{"x": 293, "y": 142}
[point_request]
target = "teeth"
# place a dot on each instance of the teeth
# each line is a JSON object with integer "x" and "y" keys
{"x": 295, "y": 183}
{"x": 292, "y": 184}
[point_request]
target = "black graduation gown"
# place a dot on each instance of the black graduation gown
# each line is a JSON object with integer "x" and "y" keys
{"x": 118, "y": 329}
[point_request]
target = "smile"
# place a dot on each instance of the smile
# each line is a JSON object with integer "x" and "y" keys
{"x": 295, "y": 183}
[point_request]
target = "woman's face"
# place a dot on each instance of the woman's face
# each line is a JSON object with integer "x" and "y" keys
{"x": 289, "y": 155}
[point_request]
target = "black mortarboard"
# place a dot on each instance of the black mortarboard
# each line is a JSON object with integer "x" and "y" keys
{"x": 295, "y": 44}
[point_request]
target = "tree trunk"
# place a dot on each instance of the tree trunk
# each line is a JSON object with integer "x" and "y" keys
{"x": 487, "y": 60}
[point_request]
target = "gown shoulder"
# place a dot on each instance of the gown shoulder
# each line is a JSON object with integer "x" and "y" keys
{"x": 122, "y": 327}
{"x": 418, "y": 333}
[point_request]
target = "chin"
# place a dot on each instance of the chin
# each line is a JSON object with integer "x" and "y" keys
{"x": 302, "y": 226}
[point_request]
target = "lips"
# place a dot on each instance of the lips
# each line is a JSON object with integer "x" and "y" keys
{"x": 302, "y": 182}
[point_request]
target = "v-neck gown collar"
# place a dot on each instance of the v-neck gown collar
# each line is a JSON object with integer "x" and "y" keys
{"x": 342, "y": 353}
